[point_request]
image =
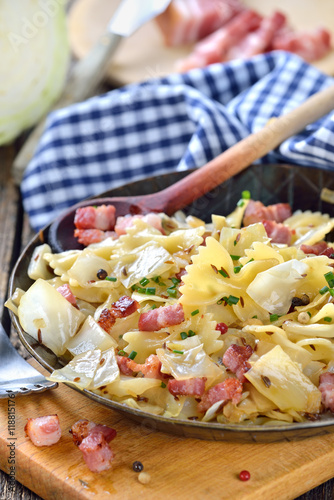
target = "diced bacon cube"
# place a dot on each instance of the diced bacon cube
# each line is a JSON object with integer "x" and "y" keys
{"x": 43, "y": 431}
{"x": 230, "y": 389}
{"x": 161, "y": 317}
{"x": 66, "y": 292}
{"x": 96, "y": 452}
{"x": 102, "y": 217}
{"x": 188, "y": 387}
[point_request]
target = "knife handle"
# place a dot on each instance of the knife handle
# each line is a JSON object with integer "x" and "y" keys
{"x": 85, "y": 76}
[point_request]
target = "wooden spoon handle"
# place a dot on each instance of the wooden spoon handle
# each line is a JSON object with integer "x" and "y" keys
{"x": 244, "y": 153}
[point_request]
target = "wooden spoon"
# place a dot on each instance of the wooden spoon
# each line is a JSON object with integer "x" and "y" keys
{"x": 206, "y": 178}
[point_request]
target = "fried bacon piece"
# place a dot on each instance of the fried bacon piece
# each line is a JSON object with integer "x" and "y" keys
{"x": 278, "y": 232}
{"x": 230, "y": 389}
{"x": 326, "y": 387}
{"x": 150, "y": 369}
{"x": 161, "y": 317}
{"x": 189, "y": 387}
{"x": 257, "y": 212}
{"x": 93, "y": 441}
{"x": 43, "y": 431}
{"x": 316, "y": 249}
{"x": 102, "y": 217}
{"x": 66, "y": 292}
{"x": 88, "y": 236}
{"x": 236, "y": 359}
{"x": 120, "y": 309}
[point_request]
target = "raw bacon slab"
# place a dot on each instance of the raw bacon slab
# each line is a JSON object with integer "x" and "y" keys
{"x": 310, "y": 45}
{"x": 189, "y": 21}
{"x": 259, "y": 40}
{"x": 230, "y": 389}
{"x": 43, "y": 431}
{"x": 215, "y": 47}
{"x": 161, "y": 317}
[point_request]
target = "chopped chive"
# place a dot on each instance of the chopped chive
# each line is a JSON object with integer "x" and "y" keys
{"x": 171, "y": 292}
{"x": 132, "y": 354}
{"x": 183, "y": 335}
{"x": 133, "y": 288}
{"x": 121, "y": 353}
{"x": 156, "y": 279}
{"x": 308, "y": 312}
{"x": 254, "y": 317}
{"x": 177, "y": 352}
{"x": 193, "y": 313}
{"x": 140, "y": 290}
{"x": 245, "y": 195}
{"x": 163, "y": 385}
{"x": 240, "y": 203}
{"x": 323, "y": 290}
{"x": 231, "y": 300}
{"x": 235, "y": 257}
{"x": 219, "y": 302}
{"x": 111, "y": 278}
{"x": 223, "y": 273}
{"x": 274, "y": 317}
{"x": 251, "y": 260}
{"x": 329, "y": 277}
{"x": 144, "y": 281}
{"x": 237, "y": 269}
{"x": 154, "y": 306}
{"x": 331, "y": 291}
{"x": 150, "y": 290}
{"x": 328, "y": 319}
{"x": 120, "y": 336}
{"x": 191, "y": 333}
{"x": 175, "y": 281}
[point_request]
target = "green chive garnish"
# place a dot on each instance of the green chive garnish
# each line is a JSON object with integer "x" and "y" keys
{"x": 274, "y": 317}
{"x": 171, "y": 291}
{"x": 245, "y": 195}
{"x": 140, "y": 290}
{"x": 331, "y": 291}
{"x": 237, "y": 269}
{"x": 150, "y": 290}
{"x": 154, "y": 306}
{"x": 132, "y": 354}
{"x": 111, "y": 278}
{"x": 231, "y": 300}
{"x": 177, "y": 352}
{"x": 329, "y": 277}
{"x": 235, "y": 257}
{"x": 240, "y": 203}
{"x": 175, "y": 281}
{"x": 163, "y": 385}
{"x": 219, "y": 302}
{"x": 191, "y": 333}
{"x": 122, "y": 353}
{"x": 183, "y": 335}
{"x": 323, "y": 290}
{"x": 328, "y": 319}
{"x": 144, "y": 282}
{"x": 223, "y": 273}
{"x": 254, "y": 317}
{"x": 308, "y": 312}
{"x": 195, "y": 312}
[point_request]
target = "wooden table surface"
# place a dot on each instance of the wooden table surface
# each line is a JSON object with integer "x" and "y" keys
{"x": 14, "y": 234}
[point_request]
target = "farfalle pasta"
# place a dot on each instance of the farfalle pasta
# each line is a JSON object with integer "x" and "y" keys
{"x": 194, "y": 320}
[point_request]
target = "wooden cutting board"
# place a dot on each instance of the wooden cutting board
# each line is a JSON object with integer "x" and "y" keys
{"x": 144, "y": 56}
{"x": 180, "y": 468}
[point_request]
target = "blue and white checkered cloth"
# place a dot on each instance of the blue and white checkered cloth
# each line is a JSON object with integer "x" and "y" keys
{"x": 173, "y": 123}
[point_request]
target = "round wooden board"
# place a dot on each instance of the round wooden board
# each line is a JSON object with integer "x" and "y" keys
{"x": 144, "y": 56}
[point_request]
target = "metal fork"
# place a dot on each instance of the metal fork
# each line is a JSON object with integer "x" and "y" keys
{"x": 16, "y": 375}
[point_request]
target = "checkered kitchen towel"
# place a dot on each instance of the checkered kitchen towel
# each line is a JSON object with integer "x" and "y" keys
{"x": 173, "y": 123}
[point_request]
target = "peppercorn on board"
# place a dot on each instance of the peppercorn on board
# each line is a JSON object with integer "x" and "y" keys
{"x": 178, "y": 467}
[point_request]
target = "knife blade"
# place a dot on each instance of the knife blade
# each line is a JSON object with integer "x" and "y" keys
{"x": 88, "y": 73}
